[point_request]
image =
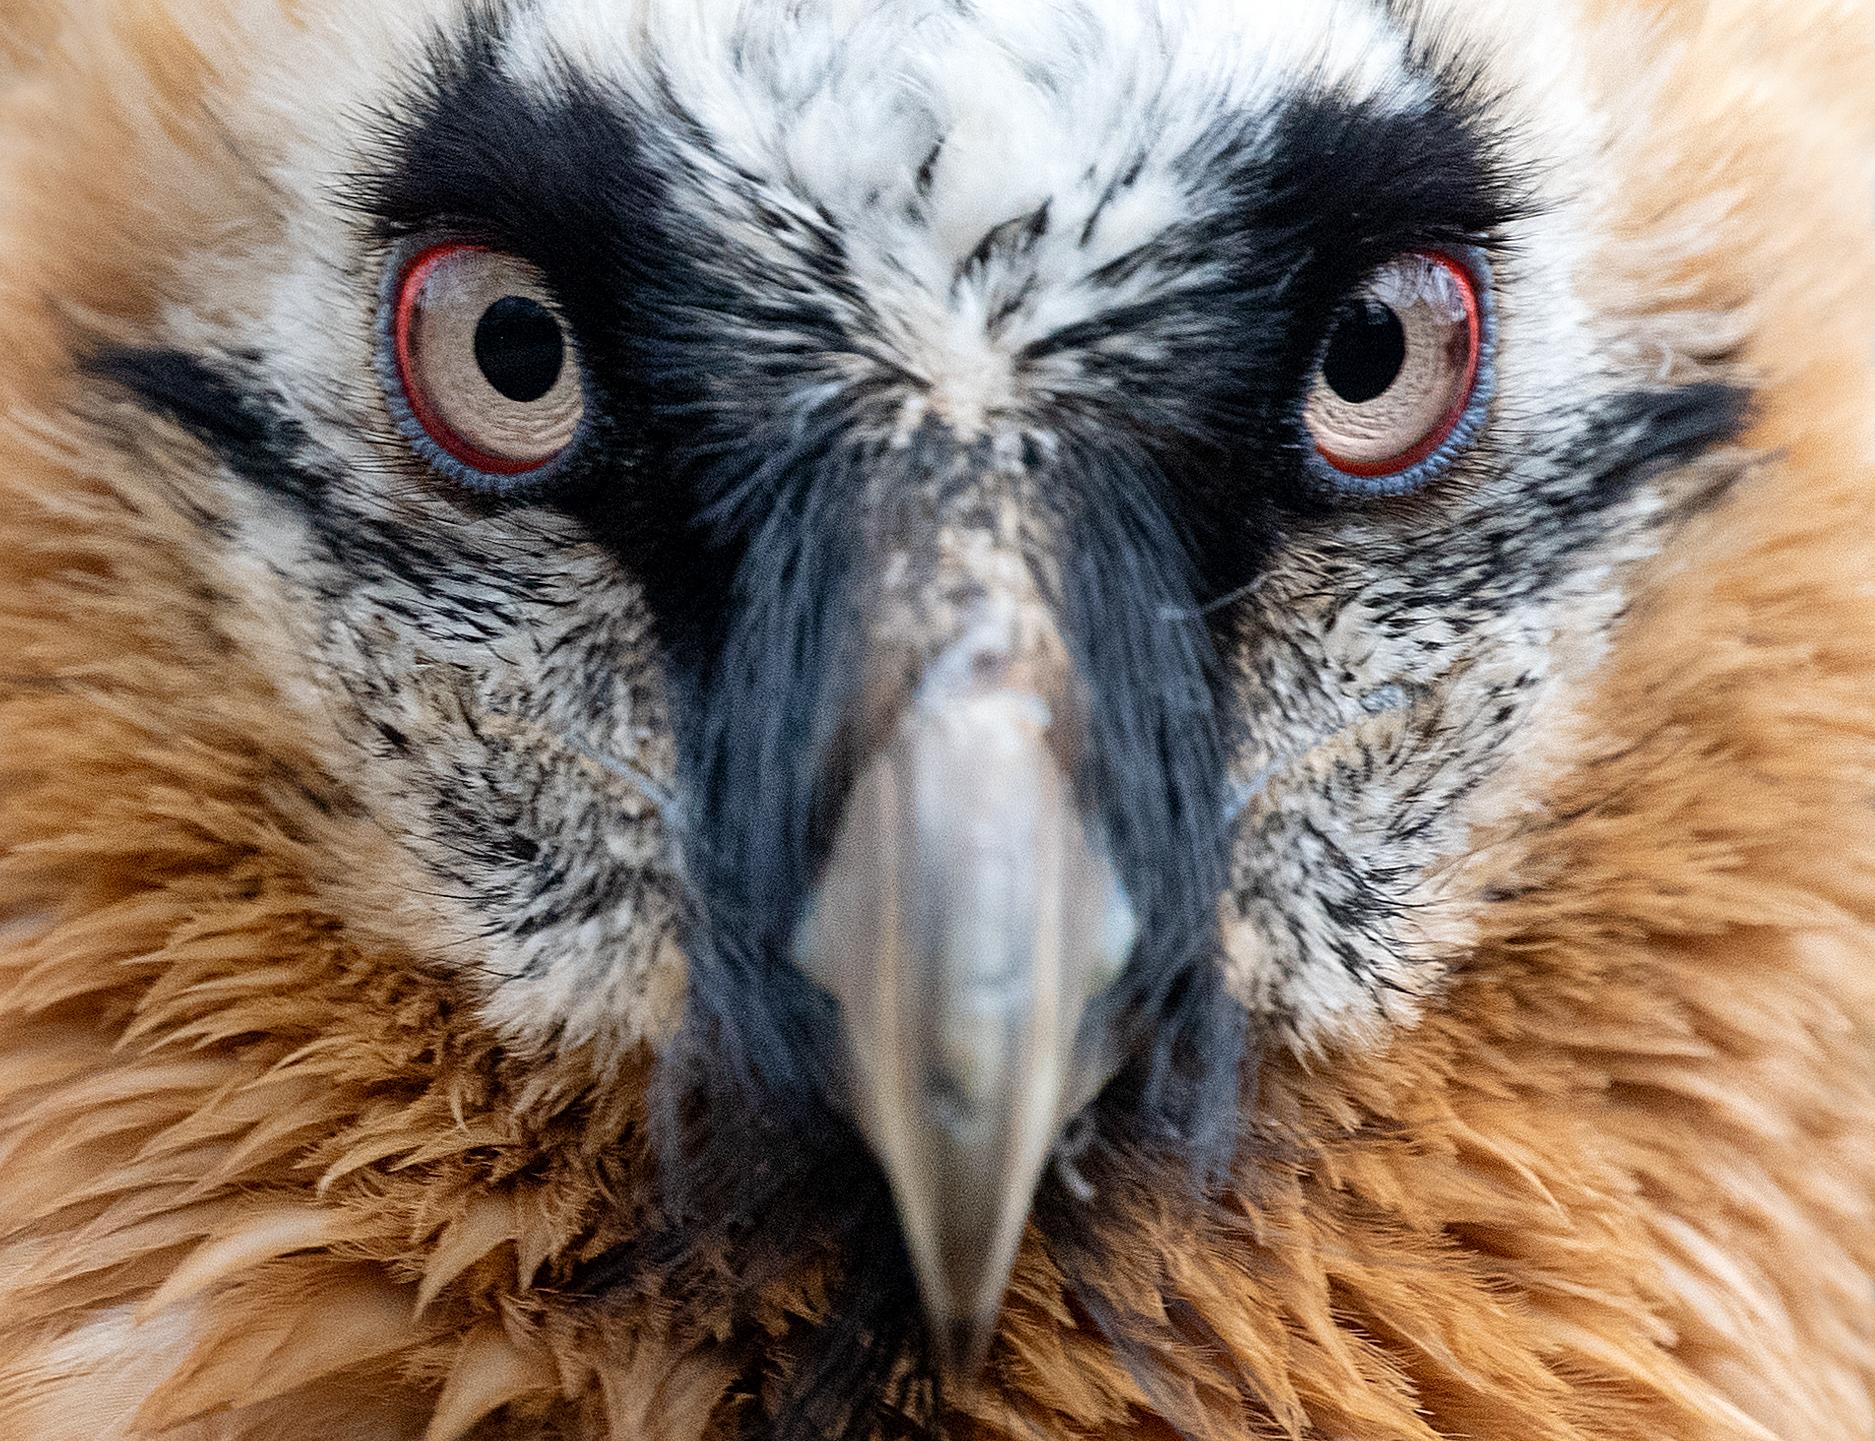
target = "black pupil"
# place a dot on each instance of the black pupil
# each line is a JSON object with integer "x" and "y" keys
{"x": 520, "y": 348}
{"x": 1366, "y": 353}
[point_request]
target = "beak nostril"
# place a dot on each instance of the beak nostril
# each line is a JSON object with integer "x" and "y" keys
{"x": 991, "y": 667}
{"x": 949, "y": 1103}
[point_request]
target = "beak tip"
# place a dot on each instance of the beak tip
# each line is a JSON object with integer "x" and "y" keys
{"x": 962, "y": 1272}
{"x": 963, "y": 1346}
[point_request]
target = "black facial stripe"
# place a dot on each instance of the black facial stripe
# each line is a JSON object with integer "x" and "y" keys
{"x": 435, "y": 585}
{"x": 214, "y": 403}
{"x": 1627, "y": 441}
{"x": 1643, "y": 431}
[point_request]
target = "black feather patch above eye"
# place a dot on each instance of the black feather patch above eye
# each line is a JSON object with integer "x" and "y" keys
{"x": 1343, "y": 186}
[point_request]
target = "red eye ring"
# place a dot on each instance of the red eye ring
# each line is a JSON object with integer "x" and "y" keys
{"x": 1465, "y": 389}
{"x": 409, "y": 294}
{"x": 407, "y": 327}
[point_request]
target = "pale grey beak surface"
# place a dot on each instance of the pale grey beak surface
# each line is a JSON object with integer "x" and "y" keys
{"x": 966, "y": 921}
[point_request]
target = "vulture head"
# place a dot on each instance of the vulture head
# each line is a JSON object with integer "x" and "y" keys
{"x": 916, "y": 637}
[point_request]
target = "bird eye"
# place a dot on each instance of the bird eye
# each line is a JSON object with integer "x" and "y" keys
{"x": 1399, "y": 386}
{"x": 484, "y": 362}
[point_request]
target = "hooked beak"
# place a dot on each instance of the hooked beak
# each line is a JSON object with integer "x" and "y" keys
{"x": 966, "y": 922}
